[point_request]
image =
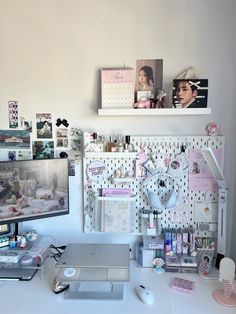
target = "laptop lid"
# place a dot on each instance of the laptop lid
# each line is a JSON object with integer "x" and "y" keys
{"x": 95, "y": 255}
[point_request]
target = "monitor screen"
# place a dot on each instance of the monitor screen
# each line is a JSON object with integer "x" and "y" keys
{"x": 33, "y": 189}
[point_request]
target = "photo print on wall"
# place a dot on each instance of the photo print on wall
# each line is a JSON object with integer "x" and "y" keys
{"x": 190, "y": 93}
{"x": 44, "y": 125}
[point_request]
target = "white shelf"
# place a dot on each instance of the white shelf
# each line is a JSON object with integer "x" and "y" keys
{"x": 123, "y": 155}
{"x": 154, "y": 112}
{"x": 122, "y": 180}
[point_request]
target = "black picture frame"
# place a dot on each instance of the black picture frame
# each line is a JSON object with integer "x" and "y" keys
{"x": 33, "y": 189}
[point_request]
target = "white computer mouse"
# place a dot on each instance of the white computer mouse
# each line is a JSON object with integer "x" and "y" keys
{"x": 145, "y": 294}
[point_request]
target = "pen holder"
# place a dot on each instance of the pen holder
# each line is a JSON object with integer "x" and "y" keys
{"x": 149, "y": 224}
{"x": 205, "y": 257}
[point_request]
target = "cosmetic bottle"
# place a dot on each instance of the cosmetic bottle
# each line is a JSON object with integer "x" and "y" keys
{"x": 100, "y": 143}
{"x": 129, "y": 146}
{"x": 111, "y": 145}
{"x": 120, "y": 144}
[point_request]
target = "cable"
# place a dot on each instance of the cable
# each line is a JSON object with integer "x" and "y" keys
{"x": 59, "y": 250}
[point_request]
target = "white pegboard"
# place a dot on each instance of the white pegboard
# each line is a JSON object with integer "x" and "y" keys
{"x": 161, "y": 146}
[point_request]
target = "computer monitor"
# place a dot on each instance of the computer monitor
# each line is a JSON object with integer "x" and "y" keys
{"x": 33, "y": 189}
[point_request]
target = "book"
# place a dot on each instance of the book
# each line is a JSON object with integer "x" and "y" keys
{"x": 117, "y": 88}
{"x": 116, "y": 216}
{"x": 123, "y": 192}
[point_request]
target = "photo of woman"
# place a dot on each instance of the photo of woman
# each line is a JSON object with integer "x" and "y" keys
{"x": 146, "y": 78}
{"x": 149, "y": 78}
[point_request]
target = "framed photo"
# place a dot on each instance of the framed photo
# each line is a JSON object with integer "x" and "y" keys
{"x": 190, "y": 93}
{"x": 148, "y": 78}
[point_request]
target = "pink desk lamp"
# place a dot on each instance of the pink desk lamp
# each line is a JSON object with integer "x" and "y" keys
{"x": 225, "y": 296}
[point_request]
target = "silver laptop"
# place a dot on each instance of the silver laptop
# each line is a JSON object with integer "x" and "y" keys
{"x": 17, "y": 273}
{"x": 95, "y": 255}
{"x": 86, "y": 265}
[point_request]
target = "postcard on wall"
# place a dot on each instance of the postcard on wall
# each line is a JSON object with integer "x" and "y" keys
{"x": 206, "y": 212}
{"x": 44, "y": 125}
{"x": 24, "y": 155}
{"x": 190, "y": 93}
{"x": 62, "y": 137}
{"x": 148, "y": 78}
{"x": 43, "y": 149}
{"x": 25, "y": 124}
{"x": 14, "y": 139}
{"x": 200, "y": 175}
{"x": 13, "y": 114}
{"x": 117, "y": 88}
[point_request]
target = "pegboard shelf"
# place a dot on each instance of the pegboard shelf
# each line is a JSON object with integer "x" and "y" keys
{"x": 122, "y": 180}
{"x": 131, "y": 198}
{"x": 122, "y": 155}
{"x": 191, "y": 203}
{"x": 154, "y": 112}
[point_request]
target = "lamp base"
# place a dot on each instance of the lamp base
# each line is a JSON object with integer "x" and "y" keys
{"x": 220, "y": 297}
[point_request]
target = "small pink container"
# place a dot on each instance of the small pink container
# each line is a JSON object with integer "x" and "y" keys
{"x": 182, "y": 285}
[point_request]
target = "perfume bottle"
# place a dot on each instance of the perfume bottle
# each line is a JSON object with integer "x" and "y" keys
{"x": 128, "y": 145}
{"x": 120, "y": 144}
{"x": 111, "y": 145}
{"x": 100, "y": 143}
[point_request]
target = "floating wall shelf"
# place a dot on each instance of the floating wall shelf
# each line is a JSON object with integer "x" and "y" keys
{"x": 154, "y": 112}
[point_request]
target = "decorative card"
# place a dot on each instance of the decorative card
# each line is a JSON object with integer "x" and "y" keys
{"x": 148, "y": 78}
{"x": 200, "y": 175}
{"x": 13, "y": 114}
{"x": 190, "y": 93}
{"x": 117, "y": 88}
{"x": 206, "y": 212}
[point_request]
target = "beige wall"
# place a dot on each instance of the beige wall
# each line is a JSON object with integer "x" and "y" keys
{"x": 51, "y": 52}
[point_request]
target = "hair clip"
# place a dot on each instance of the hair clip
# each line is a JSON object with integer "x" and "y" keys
{"x": 64, "y": 122}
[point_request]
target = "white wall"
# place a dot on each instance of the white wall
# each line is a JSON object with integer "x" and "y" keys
{"x": 51, "y": 52}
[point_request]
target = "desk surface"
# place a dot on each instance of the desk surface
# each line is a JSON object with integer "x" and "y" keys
{"x": 36, "y": 296}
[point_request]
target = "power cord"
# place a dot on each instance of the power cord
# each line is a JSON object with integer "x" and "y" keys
{"x": 56, "y": 251}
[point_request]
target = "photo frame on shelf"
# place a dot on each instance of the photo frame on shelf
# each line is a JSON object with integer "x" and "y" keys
{"x": 148, "y": 78}
{"x": 190, "y": 93}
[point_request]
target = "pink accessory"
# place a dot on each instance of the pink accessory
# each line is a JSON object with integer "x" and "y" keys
{"x": 213, "y": 129}
{"x": 143, "y": 104}
{"x": 182, "y": 285}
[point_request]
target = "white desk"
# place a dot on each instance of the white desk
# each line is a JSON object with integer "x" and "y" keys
{"x": 36, "y": 296}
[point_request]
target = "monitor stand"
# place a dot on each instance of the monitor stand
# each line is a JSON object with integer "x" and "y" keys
{"x": 95, "y": 291}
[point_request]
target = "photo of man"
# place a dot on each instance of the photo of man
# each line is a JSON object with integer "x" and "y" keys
{"x": 190, "y": 93}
